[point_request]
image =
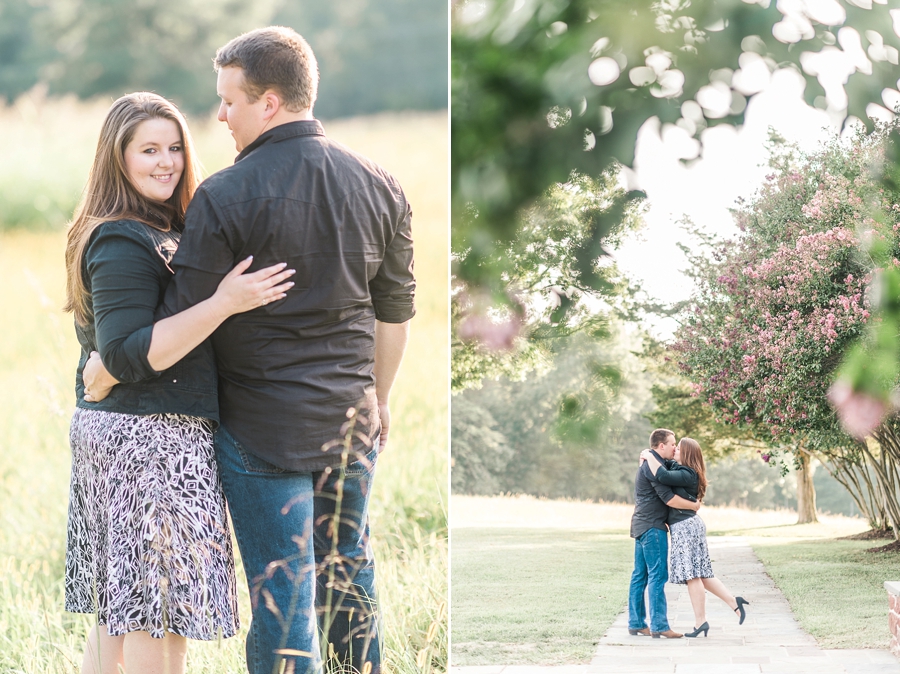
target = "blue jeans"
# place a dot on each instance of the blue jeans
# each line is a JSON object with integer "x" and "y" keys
{"x": 305, "y": 585}
{"x": 651, "y": 571}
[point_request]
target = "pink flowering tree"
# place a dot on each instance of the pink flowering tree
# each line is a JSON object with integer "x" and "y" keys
{"x": 779, "y": 308}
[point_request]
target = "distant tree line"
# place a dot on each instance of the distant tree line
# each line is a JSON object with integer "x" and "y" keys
{"x": 573, "y": 431}
{"x": 373, "y": 55}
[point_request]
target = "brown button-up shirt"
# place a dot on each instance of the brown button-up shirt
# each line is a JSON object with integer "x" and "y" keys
{"x": 289, "y": 371}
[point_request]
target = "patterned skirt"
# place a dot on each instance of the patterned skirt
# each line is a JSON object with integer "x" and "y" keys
{"x": 148, "y": 545}
{"x": 688, "y": 552}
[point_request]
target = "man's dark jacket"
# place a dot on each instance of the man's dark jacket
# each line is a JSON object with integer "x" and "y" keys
{"x": 290, "y": 371}
{"x": 650, "y": 498}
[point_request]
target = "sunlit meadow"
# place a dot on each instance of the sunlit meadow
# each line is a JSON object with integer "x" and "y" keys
{"x": 45, "y": 165}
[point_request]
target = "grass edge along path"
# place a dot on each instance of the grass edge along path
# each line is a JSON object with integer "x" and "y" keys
{"x": 535, "y": 596}
{"x": 834, "y": 587}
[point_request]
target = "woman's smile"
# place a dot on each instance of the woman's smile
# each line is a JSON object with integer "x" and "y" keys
{"x": 156, "y": 146}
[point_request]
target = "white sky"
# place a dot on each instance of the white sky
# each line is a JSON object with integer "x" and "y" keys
{"x": 733, "y": 165}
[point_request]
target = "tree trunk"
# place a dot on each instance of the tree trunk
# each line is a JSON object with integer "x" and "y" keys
{"x": 886, "y": 469}
{"x": 806, "y": 491}
{"x": 847, "y": 464}
{"x": 857, "y": 479}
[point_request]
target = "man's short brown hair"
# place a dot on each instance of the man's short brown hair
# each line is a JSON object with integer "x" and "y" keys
{"x": 659, "y": 437}
{"x": 274, "y": 58}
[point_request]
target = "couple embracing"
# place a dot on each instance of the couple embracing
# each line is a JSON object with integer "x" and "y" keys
{"x": 668, "y": 490}
{"x": 240, "y": 339}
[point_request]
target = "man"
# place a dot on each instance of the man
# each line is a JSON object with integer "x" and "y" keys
{"x": 305, "y": 382}
{"x": 652, "y": 501}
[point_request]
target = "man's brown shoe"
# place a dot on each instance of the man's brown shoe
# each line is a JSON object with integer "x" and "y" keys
{"x": 668, "y": 634}
{"x": 643, "y": 632}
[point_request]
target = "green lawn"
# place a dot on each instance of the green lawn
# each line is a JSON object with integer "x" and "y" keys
{"x": 835, "y": 588}
{"x": 531, "y": 586}
{"x": 535, "y": 596}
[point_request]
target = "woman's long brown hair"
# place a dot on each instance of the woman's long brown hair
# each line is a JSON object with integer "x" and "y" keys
{"x": 110, "y": 194}
{"x": 691, "y": 456}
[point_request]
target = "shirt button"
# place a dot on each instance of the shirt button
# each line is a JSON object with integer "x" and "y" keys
{"x": 174, "y": 381}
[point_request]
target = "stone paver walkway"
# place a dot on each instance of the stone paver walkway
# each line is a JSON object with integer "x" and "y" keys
{"x": 769, "y": 642}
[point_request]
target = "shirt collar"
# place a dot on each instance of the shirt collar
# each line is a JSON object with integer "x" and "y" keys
{"x": 304, "y": 127}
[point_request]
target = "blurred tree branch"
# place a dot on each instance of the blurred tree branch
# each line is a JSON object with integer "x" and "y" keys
{"x": 542, "y": 88}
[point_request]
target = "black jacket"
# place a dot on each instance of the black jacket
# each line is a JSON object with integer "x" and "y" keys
{"x": 650, "y": 498}
{"x": 126, "y": 271}
{"x": 290, "y": 371}
{"x": 684, "y": 483}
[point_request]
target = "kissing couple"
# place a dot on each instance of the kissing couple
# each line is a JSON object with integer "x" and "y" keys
{"x": 668, "y": 491}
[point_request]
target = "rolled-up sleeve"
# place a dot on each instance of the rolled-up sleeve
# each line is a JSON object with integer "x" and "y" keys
{"x": 203, "y": 258}
{"x": 393, "y": 288}
{"x": 125, "y": 288}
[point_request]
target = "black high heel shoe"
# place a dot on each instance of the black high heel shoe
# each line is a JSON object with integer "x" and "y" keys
{"x": 696, "y": 633}
{"x": 740, "y": 608}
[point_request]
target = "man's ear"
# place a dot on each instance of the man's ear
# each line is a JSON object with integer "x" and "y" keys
{"x": 273, "y": 104}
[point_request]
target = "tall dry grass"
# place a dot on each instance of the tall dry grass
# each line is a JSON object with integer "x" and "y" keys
{"x": 52, "y": 144}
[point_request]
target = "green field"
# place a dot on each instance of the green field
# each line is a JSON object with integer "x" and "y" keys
{"x": 535, "y": 596}
{"x": 538, "y": 581}
{"x": 38, "y": 354}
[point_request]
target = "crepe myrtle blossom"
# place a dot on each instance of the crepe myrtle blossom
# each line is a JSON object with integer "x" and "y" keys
{"x": 777, "y": 309}
{"x": 490, "y": 333}
{"x": 763, "y": 355}
{"x": 860, "y": 413}
{"x": 492, "y": 329}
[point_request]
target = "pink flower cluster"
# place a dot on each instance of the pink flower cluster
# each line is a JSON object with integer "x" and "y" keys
{"x": 779, "y": 307}
{"x": 859, "y": 413}
{"x": 767, "y": 359}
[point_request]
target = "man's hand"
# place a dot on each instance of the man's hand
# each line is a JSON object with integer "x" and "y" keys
{"x": 98, "y": 382}
{"x": 384, "y": 412}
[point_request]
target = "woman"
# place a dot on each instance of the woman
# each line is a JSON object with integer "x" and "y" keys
{"x": 148, "y": 549}
{"x": 689, "y": 555}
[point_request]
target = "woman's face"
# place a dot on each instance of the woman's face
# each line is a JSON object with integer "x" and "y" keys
{"x": 678, "y": 452}
{"x": 154, "y": 158}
